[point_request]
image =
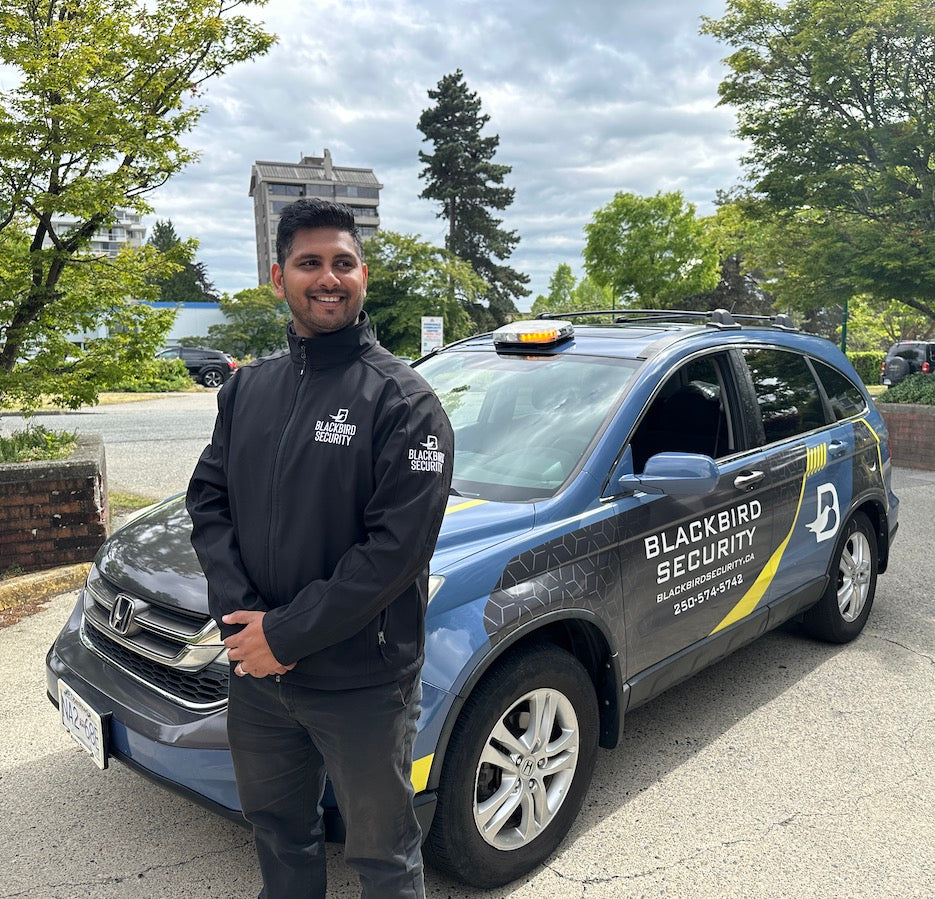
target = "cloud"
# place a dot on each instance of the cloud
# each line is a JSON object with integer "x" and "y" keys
{"x": 588, "y": 99}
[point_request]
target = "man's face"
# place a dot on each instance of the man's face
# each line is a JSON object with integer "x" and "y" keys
{"x": 323, "y": 281}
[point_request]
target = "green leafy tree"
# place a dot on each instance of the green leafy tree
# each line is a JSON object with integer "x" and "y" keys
{"x": 568, "y": 295}
{"x": 651, "y": 251}
{"x": 835, "y": 102}
{"x": 409, "y": 278}
{"x": 590, "y": 295}
{"x": 189, "y": 283}
{"x": 256, "y": 323}
{"x": 560, "y": 297}
{"x": 461, "y": 175}
{"x": 104, "y": 93}
{"x": 738, "y": 238}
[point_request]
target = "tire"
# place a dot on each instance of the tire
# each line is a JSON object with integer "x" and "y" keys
{"x": 897, "y": 368}
{"x": 212, "y": 377}
{"x": 841, "y": 613}
{"x": 510, "y": 790}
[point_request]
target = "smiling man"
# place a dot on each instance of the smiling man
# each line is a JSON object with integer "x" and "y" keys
{"x": 315, "y": 529}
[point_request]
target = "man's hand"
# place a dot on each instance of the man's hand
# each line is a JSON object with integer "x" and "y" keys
{"x": 249, "y": 648}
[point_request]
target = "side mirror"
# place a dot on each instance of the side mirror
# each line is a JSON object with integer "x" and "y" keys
{"x": 675, "y": 474}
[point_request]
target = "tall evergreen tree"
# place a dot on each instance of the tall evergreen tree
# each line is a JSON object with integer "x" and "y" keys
{"x": 462, "y": 176}
{"x": 189, "y": 283}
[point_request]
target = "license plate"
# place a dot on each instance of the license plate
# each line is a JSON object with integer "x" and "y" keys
{"x": 87, "y": 728}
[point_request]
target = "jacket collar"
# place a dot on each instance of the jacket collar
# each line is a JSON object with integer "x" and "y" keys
{"x": 332, "y": 349}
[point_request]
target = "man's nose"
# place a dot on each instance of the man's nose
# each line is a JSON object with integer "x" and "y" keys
{"x": 329, "y": 278}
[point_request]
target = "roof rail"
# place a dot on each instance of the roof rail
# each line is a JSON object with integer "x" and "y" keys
{"x": 715, "y": 318}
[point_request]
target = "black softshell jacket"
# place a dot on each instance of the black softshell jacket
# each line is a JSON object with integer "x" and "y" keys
{"x": 319, "y": 500}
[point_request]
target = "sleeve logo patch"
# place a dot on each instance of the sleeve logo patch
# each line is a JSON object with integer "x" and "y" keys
{"x": 429, "y": 458}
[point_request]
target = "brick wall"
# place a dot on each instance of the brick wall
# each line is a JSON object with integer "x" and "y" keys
{"x": 912, "y": 434}
{"x": 54, "y": 513}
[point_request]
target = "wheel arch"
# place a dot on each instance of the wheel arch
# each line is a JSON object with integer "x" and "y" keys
{"x": 876, "y": 511}
{"x": 578, "y": 633}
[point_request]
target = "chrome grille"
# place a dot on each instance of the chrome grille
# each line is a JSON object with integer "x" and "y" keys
{"x": 173, "y": 652}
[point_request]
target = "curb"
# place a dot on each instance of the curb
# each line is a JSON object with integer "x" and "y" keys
{"x": 41, "y": 585}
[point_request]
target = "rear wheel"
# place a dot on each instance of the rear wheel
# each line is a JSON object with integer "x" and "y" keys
{"x": 517, "y": 768}
{"x": 840, "y": 615}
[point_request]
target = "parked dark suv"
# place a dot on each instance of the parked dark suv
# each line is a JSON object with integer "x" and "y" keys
{"x": 209, "y": 367}
{"x": 908, "y": 357}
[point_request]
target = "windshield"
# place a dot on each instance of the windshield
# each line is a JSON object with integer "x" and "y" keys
{"x": 522, "y": 423}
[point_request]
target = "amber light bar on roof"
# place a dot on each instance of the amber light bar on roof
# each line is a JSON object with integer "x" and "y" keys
{"x": 533, "y": 333}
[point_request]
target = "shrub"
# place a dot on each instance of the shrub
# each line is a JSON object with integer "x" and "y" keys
{"x": 156, "y": 376}
{"x": 36, "y": 443}
{"x": 868, "y": 364}
{"x": 919, "y": 389}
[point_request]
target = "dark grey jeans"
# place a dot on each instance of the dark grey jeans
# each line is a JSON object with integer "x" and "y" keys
{"x": 284, "y": 738}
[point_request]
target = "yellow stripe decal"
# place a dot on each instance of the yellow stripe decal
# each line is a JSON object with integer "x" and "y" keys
{"x": 752, "y": 597}
{"x": 816, "y": 459}
{"x": 420, "y": 772}
{"x": 876, "y": 438}
{"x": 467, "y": 505}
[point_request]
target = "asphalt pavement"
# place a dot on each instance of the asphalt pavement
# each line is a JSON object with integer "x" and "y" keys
{"x": 791, "y": 769}
{"x": 150, "y": 446}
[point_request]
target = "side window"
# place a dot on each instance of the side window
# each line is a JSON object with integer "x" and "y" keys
{"x": 786, "y": 392}
{"x": 688, "y": 415}
{"x": 844, "y": 396}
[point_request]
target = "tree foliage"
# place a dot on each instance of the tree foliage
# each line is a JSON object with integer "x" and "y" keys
{"x": 461, "y": 175}
{"x": 189, "y": 283}
{"x": 105, "y": 93}
{"x": 409, "y": 278}
{"x": 835, "y": 101}
{"x": 567, "y": 295}
{"x": 651, "y": 251}
{"x": 256, "y": 323}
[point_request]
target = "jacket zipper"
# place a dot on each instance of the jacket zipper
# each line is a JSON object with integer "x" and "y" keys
{"x": 381, "y": 633}
{"x": 274, "y": 475}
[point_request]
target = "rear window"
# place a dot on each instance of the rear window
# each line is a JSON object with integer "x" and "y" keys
{"x": 523, "y": 423}
{"x": 911, "y": 352}
{"x": 844, "y": 396}
{"x": 786, "y": 392}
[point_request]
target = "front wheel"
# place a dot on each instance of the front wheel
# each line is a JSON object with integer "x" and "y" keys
{"x": 841, "y": 613}
{"x": 517, "y": 768}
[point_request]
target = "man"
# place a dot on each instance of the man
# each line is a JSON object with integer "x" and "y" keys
{"x": 315, "y": 531}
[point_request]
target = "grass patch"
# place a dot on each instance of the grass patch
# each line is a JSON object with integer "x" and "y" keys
{"x": 37, "y": 444}
{"x": 123, "y": 502}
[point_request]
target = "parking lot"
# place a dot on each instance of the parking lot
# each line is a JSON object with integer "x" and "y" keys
{"x": 792, "y": 768}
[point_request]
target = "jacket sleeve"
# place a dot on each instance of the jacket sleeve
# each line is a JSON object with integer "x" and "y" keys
{"x": 214, "y": 538}
{"x": 401, "y": 521}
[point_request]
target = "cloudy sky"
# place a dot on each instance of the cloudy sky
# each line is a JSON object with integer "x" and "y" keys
{"x": 588, "y": 98}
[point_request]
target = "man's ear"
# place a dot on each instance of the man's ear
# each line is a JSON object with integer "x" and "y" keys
{"x": 275, "y": 274}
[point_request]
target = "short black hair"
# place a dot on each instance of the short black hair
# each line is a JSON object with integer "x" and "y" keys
{"x": 310, "y": 212}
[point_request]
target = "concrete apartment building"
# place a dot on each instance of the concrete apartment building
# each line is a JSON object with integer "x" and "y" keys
{"x": 273, "y": 185}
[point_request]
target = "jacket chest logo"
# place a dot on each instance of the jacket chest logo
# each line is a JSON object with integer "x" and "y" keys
{"x": 335, "y": 429}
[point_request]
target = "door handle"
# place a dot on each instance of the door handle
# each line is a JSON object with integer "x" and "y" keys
{"x": 837, "y": 448}
{"x": 749, "y": 479}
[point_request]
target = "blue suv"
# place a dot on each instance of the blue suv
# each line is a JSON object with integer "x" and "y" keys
{"x": 635, "y": 496}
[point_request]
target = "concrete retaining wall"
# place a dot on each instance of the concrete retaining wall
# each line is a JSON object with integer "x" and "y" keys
{"x": 912, "y": 434}
{"x": 54, "y": 513}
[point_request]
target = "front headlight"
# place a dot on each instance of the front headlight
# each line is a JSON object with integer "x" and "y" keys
{"x": 435, "y": 583}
